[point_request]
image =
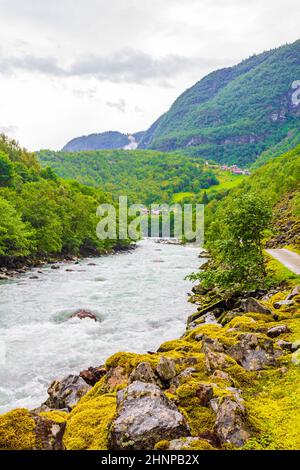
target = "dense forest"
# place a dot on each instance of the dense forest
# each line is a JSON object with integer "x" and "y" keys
{"x": 42, "y": 215}
{"x": 144, "y": 176}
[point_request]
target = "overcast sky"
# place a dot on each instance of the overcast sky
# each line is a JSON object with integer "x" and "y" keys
{"x": 74, "y": 67}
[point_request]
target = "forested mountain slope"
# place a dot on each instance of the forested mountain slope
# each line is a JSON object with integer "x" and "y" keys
{"x": 235, "y": 114}
{"x": 144, "y": 176}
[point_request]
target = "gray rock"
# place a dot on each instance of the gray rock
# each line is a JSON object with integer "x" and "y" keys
{"x": 145, "y": 416}
{"x": 166, "y": 369}
{"x": 231, "y": 426}
{"x": 252, "y": 305}
{"x": 277, "y": 331}
{"x": 296, "y": 291}
{"x": 66, "y": 393}
{"x": 253, "y": 352}
{"x": 143, "y": 373}
{"x": 283, "y": 303}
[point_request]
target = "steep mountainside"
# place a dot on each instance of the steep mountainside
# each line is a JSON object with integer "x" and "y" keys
{"x": 235, "y": 114}
{"x": 105, "y": 140}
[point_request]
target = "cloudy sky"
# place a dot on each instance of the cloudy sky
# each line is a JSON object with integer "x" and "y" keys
{"x": 74, "y": 67}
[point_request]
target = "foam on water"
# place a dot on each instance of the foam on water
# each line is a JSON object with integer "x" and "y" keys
{"x": 140, "y": 302}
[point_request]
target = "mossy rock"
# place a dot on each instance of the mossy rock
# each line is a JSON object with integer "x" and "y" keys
{"x": 89, "y": 422}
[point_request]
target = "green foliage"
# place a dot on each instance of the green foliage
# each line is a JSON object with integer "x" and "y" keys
{"x": 234, "y": 114}
{"x": 236, "y": 225}
{"x": 144, "y": 176}
{"x": 41, "y": 215}
{"x": 6, "y": 169}
{"x": 15, "y": 236}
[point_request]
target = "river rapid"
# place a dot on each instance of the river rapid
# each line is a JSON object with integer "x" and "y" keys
{"x": 139, "y": 297}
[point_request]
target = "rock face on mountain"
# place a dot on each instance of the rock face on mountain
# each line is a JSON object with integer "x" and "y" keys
{"x": 234, "y": 114}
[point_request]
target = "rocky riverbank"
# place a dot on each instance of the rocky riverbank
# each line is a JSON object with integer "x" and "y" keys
{"x": 14, "y": 268}
{"x": 229, "y": 382}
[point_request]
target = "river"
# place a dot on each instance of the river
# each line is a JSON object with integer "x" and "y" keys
{"x": 140, "y": 299}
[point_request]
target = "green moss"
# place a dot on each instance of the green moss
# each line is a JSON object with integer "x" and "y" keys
{"x": 274, "y": 410}
{"x": 89, "y": 422}
{"x": 17, "y": 431}
{"x": 199, "y": 418}
{"x": 130, "y": 360}
{"x": 240, "y": 376}
{"x": 56, "y": 416}
{"x": 200, "y": 444}
{"x": 162, "y": 445}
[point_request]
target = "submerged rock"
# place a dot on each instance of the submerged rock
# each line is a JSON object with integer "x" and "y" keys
{"x": 66, "y": 393}
{"x": 145, "y": 416}
{"x": 83, "y": 314}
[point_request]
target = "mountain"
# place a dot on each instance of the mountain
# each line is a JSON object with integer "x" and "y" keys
{"x": 106, "y": 140}
{"x": 234, "y": 114}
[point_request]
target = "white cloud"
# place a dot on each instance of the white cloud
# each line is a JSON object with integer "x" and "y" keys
{"x": 62, "y": 61}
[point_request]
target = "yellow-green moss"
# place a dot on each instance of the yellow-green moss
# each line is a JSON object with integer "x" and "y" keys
{"x": 199, "y": 418}
{"x": 89, "y": 422}
{"x": 56, "y": 416}
{"x": 274, "y": 410}
{"x": 130, "y": 360}
{"x": 162, "y": 445}
{"x": 17, "y": 431}
{"x": 200, "y": 444}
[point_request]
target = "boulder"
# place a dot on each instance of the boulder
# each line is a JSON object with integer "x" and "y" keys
{"x": 166, "y": 369}
{"x": 145, "y": 416}
{"x": 231, "y": 426}
{"x": 83, "y": 314}
{"x": 252, "y": 305}
{"x": 253, "y": 352}
{"x": 143, "y": 373}
{"x": 66, "y": 393}
{"x": 93, "y": 374}
{"x": 278, "y": 331}
{"x": 55, "y": 267}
